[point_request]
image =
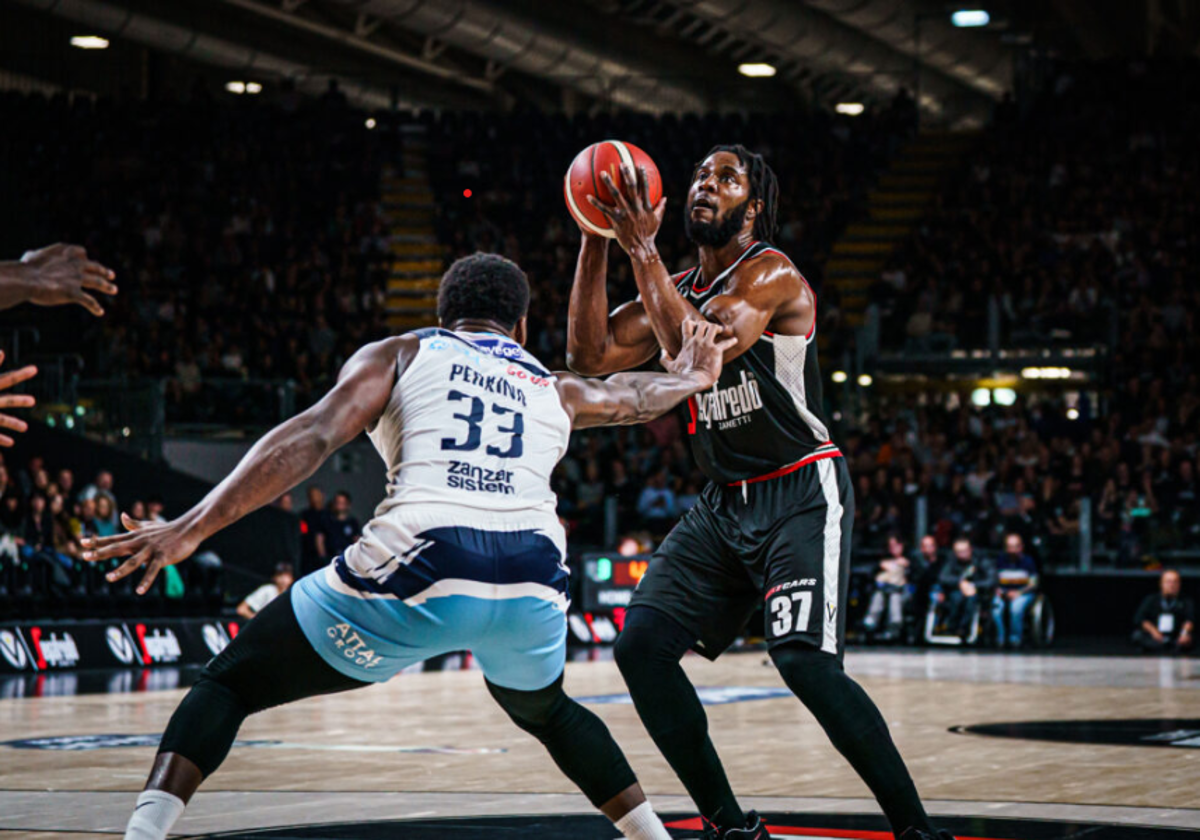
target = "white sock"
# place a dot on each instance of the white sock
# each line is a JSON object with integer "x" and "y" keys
{"x": 642, "y": 824}
{"x": 154, "y": 815}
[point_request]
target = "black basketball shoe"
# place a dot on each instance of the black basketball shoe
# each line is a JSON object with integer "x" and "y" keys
{"x": 755, "y": 829}
{"x": 917, "y": 834}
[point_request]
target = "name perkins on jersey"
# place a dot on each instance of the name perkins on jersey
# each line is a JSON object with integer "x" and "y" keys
{"x": 492, "y": 384}
{"x": 729, "y": 406}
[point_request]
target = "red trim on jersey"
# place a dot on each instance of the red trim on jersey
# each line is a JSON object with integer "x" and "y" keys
{"x": 803, "y": 279}
{"x": 768, "y": 332}
{"x": 790, "y": 468}
{"x": 739, "y": 256}
{"x": 692, "y": 423}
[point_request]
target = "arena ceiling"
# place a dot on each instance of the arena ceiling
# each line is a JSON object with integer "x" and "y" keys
{"x": 647, "y": 55}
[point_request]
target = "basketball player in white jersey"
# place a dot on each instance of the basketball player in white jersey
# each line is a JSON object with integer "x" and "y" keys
{"x": 465, "y": 552}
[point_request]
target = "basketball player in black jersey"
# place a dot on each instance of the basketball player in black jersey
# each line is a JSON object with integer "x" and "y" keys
{"x": 773, "y": 525}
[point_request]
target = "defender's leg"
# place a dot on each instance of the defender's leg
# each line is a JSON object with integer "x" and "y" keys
{"x": 585, "y": 751}
{"x": 269, "y": 663}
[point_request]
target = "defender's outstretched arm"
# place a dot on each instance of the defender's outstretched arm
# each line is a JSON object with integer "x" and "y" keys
{"x": 284, "y": 457}
{"x": 628, "y": 398}
{"x": 55, "y": 275}
{"x": 597, "y": 342}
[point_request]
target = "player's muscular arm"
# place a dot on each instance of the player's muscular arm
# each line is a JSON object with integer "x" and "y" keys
{"x": 767, "y": 293}
{"x": 628, "y": 398}
{"x": 599, "y": 343}
{"x": 284, "y": 457}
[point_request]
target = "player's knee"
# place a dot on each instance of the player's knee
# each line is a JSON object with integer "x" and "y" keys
{"x": 807, "y": 670}
{"x": 646, "y": 645}
{"x": 533, "y": 711}
{"x": 205, "y": 724}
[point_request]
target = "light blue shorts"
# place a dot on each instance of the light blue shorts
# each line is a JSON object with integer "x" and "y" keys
{"x": 502, "y": 595}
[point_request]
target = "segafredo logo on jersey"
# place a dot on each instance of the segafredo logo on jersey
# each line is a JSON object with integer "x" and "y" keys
{"x": 729, "y": 405}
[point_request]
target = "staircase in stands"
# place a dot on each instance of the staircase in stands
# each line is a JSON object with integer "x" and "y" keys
{"x": 418, "y": 260}
{"x": 894, "y": 207}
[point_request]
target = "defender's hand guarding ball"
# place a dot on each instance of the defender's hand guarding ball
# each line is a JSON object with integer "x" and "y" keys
{"x": 702, "y": 353}
{"x": 583, "y": 182}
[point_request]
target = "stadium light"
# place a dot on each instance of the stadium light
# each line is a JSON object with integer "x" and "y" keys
{"x": 865, "y": 380}
{"x": 757, "y": 70}
{"x": 1072, "y": 413}
{"x": 236, "y": 87}
{"x": 981, "y": 397}
{"x": 1046, "y": 373}
{"x": 89, "y": 42}
{"x": 1004, "y": 396}
{"x": 370, "y": 123}
{"x": 850, "y": 109}
{"x": 253, "y": 87}
{"x": 967, "y": 18}
{"x": 839, "y": 376}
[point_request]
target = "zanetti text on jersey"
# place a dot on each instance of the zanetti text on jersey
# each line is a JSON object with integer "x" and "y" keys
{"x": 492, "y": 384}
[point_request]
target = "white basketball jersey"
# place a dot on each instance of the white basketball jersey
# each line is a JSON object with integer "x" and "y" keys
{"x": 475, "y": 424}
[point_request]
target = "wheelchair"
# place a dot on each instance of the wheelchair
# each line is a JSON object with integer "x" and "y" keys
{"x": 1039, "y": 631}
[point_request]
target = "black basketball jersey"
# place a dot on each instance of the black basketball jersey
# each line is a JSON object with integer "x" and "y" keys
{"x": 763, "y": 418}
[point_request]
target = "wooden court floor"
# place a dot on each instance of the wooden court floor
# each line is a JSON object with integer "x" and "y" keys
{"x": 428, "y": 744}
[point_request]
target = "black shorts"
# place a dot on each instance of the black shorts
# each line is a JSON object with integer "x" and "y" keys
{"x": 781, "y": 542}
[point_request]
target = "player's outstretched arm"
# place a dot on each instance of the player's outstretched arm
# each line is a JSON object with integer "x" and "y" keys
{"x": 55, "y": 275}
{"x": 597, "y": 342}
{"x": 627, "y": 398}
{"x": 284, "y": 457}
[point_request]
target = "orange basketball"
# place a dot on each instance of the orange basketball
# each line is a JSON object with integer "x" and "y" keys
{"x": 583, "y": 179}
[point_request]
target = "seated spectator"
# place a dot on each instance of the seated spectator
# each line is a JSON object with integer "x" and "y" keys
{"x": 1166, "y": 621}
{"x": 341, "y": 528}
{"x": 929, "y": 558}
{"x": 102, "y": 486}
{"x": 656, "y": 504}
{"x": 1016, "y": 587}
{"x": 893, "y": 589}
{"x": 104, "y": 523}
{"x": 281, "y": 579}
{"x": 964, "y": 581}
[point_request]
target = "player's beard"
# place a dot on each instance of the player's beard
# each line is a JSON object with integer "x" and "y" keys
{"x": 716, "y": 234}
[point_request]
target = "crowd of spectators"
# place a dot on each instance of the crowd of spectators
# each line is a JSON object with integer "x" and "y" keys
{"x": 44, "y": 513}
{"x": 247, "y": 238}
{"x": 251, "y": 246}
{"x": 1074, "y": 223}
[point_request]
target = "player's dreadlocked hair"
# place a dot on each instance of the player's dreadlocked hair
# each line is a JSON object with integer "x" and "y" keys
{"x": 763, "y": 185}
{"x": 486, "y": 287}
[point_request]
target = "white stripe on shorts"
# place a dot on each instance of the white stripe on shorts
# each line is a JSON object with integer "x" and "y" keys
{"x": 833, "y": 552}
